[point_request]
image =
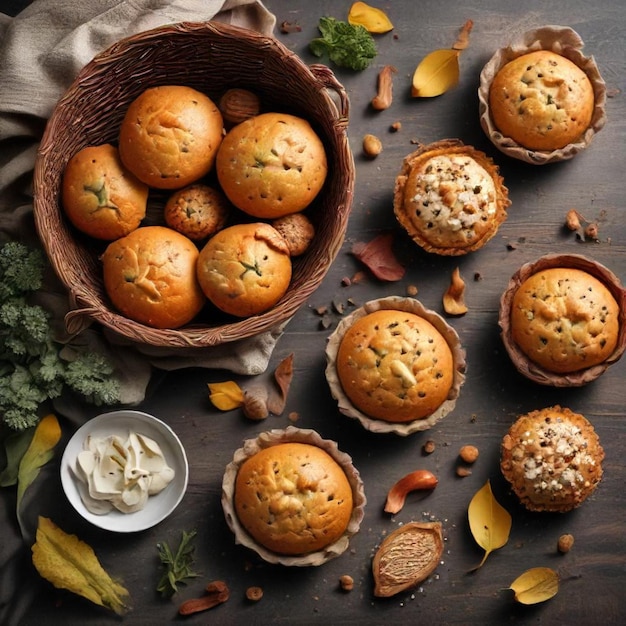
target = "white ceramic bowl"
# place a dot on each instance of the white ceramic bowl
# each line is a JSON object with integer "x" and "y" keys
{"x": 159, "y": 506}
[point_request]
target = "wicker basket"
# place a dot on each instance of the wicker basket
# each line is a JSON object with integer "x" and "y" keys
{"x": 212, "y": 58}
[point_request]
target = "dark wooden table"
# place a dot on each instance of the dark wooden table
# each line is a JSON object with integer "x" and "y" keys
{"x": 593, "y": 574}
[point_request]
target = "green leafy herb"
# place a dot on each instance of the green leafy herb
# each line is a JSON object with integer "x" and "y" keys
{"x": 178, "y": 567}
{"x": 31, "y": 367}
{"x": 346, "y": 45}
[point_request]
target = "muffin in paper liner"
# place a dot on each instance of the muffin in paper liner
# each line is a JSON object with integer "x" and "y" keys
{"x": 292, "y": 435}
{"x": 450, "y": 197}
{"x": 567, "y": 43}
{"x": 521, "y": 361}
{"x": 376, "y": 425}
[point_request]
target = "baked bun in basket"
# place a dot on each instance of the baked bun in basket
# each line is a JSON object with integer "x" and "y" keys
{"x": 100, "y": 196}
{"x": 271, "y": 165}
{"x": 150, "y": 277}
{"x": 170, "y": 135}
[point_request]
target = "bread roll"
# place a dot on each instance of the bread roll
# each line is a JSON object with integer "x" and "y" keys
{"x": 170, "y": 135}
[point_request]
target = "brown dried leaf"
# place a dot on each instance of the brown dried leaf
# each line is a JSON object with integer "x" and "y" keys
{"x": 463, "y": 39}
{"x": 454, "y": 297}
{"x": 378, "y": 256}
{"x": 283, "y": 375}
{"x": 408, "y": 556}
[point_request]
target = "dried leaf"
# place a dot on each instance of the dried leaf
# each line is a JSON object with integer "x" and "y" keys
{"x": 437, "y": 73}
{"x": 379, "y": 257}
{"x": 535, "y": 585}
{"x": 15, "y": 445}
{"x": 226, "y": 396}
{"x": 489, "y": 521}
{"x": 283, "y": 375}
{"x": 38, "y": 453}
{"x": 454, "y": 297}
{"x": 463, "y": 39}
{"x": 69, "y": 563}
{"x": 372, "y": 19}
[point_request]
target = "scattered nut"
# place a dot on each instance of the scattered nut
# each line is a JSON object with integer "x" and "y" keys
{"x": 454, "y": 298}
{"x": 395, "y": 127}
{"x": 254, "y": 594}
{"x": 238, "y": 105}
{"x": 297, "y": 230}
{"x": 346, "y": 582}
{"x": 411, "y": 290}
{"x": 372, "y": 146}
{"x": 255, "y": 403}
{"x": 572, "y": 220}
{"x": 428, "y": 447}
{"x": 463, "y": 472}
{"x": 469, "y": 454}
{"x": 418, "y": 480}
{"x": 565, "y": 543}
{"x": 591, "y": 231}
{"x": 383, "y": 98}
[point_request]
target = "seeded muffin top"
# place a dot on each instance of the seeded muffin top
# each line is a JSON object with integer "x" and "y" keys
{"x": 450, "y": 198}
{"x": 552, "y": 458}
{"x": 564, "y": 319}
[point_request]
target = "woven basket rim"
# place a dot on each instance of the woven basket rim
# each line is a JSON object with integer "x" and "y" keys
{"x": 87, "y": 305}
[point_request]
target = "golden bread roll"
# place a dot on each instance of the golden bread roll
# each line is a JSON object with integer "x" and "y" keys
{"x": 100, "y": 196}
{"x": 150, "y": 276}
{"x": 293, "y": 498}
{"x": 170, "y": 135}
{"x": 245, "y": 269}
{"x": 271, "y": 165}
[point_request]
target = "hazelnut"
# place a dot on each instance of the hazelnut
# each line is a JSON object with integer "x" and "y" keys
{"x": 346, "y": 582}
{"x": 565, "y": 543}
{"x": 238, "y": 105}
{"x": 372, "y": 146}
{"x": 468, "y": 454}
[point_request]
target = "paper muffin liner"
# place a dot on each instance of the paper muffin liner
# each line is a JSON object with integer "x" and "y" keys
{"x": 292, "y": 435}
{"x": 561, "y": 40}
{"x": 522, "y": 363}
{"x": 410, "y": 305}
{"x": 449, "y": 147}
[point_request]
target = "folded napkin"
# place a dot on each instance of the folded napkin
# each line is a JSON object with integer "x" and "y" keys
{"x": 41, "y": 51}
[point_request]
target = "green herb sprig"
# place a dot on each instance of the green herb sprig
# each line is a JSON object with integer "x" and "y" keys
{"x": 177, "y": 567}
{"x": 345, "y": 44}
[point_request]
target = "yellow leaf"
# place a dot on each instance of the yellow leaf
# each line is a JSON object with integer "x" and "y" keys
{"x": 69, "y": 563}
{"x": 226, "y": 396}
{"x": 372, "y": 19}
{"x": 38, "y": 453}
{"x": 437, "y": 73}
{"x": 489, "y": 521}
{"x": 535, "y": 585}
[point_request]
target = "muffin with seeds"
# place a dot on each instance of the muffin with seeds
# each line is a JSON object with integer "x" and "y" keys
{"x": 450, "y": 198}
{"x": 563, "y": 319}
{"x": 552, "y": 458}
{"x": 395, "y": 366}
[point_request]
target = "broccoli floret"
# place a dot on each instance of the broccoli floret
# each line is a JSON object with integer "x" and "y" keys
{"x": 347, "y": 45}
{"x": 31, "y": 368}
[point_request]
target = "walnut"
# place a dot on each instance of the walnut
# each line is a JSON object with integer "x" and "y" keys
{"x": 297, "y": 230}
{"x": 238, "y": 105}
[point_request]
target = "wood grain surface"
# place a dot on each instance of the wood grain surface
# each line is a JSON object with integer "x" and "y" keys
{"x": 593, "y": 574}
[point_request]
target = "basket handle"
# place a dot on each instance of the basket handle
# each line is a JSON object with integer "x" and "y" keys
{"x": 325, "y": 76}
{"x": 78, "y": 320}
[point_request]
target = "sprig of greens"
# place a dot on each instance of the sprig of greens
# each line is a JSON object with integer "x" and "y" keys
{"x": 345, "y": 44}
{"x": 177, "y": 567}
{"x": 31, "y": 368}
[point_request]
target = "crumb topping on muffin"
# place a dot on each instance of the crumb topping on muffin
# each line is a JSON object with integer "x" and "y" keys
{"x": 453, "y": 195}
{"x": 552, "y": 458}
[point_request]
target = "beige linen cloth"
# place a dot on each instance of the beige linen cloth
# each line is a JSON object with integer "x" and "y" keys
{"x": 41, "y": 51}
